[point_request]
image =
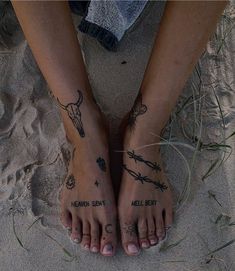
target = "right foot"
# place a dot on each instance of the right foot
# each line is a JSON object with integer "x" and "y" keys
{"x": 87, "y": 201}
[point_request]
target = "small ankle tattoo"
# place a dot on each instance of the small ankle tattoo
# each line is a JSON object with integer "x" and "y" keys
{"x": 137, "y": 109}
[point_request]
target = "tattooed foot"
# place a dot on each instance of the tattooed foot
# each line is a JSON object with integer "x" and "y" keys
{"x": 145, "y": 201}
{"x": 87, "y": 201}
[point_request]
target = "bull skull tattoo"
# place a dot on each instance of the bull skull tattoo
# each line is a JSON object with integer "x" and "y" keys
{"x": 74, "y": 113}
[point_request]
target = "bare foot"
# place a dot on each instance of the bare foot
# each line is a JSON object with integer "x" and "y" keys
{"x": 87, "y": 201}
{"x": 145, "y": 200}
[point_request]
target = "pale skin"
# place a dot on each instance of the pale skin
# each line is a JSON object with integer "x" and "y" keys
{"x": 88, "y": 207}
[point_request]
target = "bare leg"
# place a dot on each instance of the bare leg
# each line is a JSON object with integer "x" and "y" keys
{"x": 87, "y": 200}
{"x": 145, "y": 201}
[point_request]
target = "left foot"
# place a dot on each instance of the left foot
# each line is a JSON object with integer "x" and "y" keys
{"x": 145, "y": 201}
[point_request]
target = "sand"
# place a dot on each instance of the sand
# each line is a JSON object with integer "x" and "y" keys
{"x": 34, "y": 152}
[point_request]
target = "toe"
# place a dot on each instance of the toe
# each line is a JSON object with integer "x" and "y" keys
{"x": 108, "y": 239}
{"x": 129, "y": 238}
{"x": 86, "y": 235}
{"x": 76, "y": 230}
{"x": 66, "y": 219}
{"x": 160, "y": 229}
{"x": 143, "y": 233}
{"x": 168, "y": 218}
{"x": 152, "y": 232}
{"x": 95, "y": 237}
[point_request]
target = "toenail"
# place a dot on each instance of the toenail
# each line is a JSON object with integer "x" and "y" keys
{"x": 160, "y": 238}
{"x": 167, "y": 228}
{"x": 153, "y": 242}
{"x": 144, "y": 245}
{"x": 68, "y": 228}
{"x": 94, "y": 249}
{"x": 108, "y": 249}
{"x": 76, "y": 240}
{"x": 86, "y": 247}
{"x": 132, "y": 249}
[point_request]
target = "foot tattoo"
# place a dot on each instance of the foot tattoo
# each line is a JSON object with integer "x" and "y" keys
{"x": 130, "y": 229}
{"x": 108, "y": 228}
{"x": 143, "y": 179}
{"x": 74, "y": 113}
{"x": 101, "y": 163}
{"x": 70, "y": 182}
{"x": 97, "y": 183}
{"x": 139, "y": 158}
{"x": 138, "y": 109}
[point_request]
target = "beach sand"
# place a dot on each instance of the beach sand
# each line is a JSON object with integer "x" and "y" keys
{"x": 34, "y": 153}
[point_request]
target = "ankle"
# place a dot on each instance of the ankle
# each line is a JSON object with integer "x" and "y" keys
{"x": 93, "y": 123}
{"x": 139, "y": 140}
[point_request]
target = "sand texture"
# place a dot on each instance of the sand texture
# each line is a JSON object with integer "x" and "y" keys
{"x": 34, "y": 153}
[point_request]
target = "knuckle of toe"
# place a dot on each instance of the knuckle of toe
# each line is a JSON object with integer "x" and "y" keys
{"x": 160, "y": 233}
{"x": 94, "y": 233}
{"x": 86, "y": 238}
{"x": 142, "y": 231}
{"x": 151, "y": 231}
{"x": 169, "y": 212}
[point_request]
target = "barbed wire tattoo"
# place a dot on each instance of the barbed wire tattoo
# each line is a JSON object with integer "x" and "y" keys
{"x": 139, "y": 158}
{"x": 145, "y": 179}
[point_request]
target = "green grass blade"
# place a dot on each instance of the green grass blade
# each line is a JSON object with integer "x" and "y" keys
{"x": 67, "y": 253}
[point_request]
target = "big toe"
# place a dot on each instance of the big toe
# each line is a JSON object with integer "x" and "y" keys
{"x": 129, "y": 238}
